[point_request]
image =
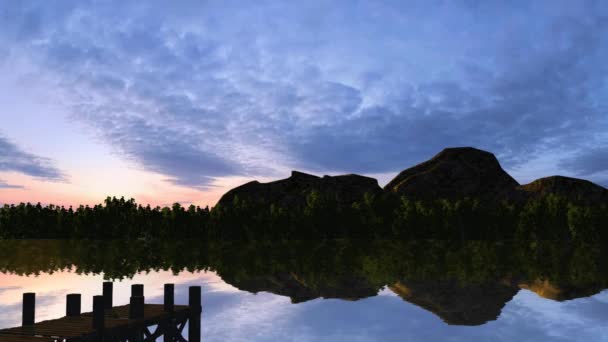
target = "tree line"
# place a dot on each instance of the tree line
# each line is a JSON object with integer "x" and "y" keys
{"x": 388, "y": 216}
{"x": 115, "y": 218}
{"x": 321, "y": 217}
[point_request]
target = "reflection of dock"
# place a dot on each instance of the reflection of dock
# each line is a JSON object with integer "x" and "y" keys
{"x": 132, "y": 322}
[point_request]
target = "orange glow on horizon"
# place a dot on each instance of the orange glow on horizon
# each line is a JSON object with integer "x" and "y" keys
{"x": 93, "y": 187}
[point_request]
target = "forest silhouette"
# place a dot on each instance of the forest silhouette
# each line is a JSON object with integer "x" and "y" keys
{"x": 374, "y": 216}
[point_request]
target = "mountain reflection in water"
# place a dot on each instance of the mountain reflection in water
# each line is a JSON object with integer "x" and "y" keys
{"x": 464, "y": 283}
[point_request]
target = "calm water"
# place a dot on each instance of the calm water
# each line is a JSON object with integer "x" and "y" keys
{"x": 332, "y": 291}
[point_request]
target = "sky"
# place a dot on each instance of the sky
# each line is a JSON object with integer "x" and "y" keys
{"x": 179, "y": 101}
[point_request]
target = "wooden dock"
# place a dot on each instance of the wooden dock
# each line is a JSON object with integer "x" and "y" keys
{"x": 131, "y": 322}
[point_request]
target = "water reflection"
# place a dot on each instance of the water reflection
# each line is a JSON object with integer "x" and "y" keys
{"x": 344, "y": 290}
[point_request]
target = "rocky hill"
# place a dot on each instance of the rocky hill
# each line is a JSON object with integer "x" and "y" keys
{"x": 455, "y": 173}
{"x": 292, "y": 191}
{"x": 574, "y": 189}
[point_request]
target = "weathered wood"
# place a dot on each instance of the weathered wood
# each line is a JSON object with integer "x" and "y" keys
{"x": 117, "y": 325}
{"x": 168, "y": 336}
{"x": 29, "y": 309}
{"x": 23, "y": 338}
{"x": 108, "y": 294}
{"x": 194, "y": 297}
{"x": 137, "y": 290}
{"x": 73, "y": 304}
{"x": 169, "y": 297}
{"x": 98, "y": 313}
{"x": 136, "y": 307}
{"x": 131, "y": 322}
{"x": 194, "y": 325}
{"x": 169, "y": 306}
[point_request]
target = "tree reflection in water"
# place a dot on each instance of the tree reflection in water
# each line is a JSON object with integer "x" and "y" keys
{"x": 464, "y": 283}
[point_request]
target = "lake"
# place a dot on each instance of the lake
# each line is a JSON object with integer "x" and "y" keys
{"x": 337, "y": 290}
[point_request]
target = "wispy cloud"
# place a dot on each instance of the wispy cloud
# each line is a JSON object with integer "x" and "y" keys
{"x": 12, "y": 158}
{"x": 5, "y": 185}
{"x": 199, "y": 90}
{"x": 592, "y": 162}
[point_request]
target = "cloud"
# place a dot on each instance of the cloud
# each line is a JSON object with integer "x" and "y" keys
{"x": 199, "y": 91}
{"x": 165, "y": 150}
{"x": 12, "y": 158}
{"x": 588, "y": 162}
{"x": 4, "y": 185}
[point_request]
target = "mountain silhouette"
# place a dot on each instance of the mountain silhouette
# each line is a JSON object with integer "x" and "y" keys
{"x": 574, "y": 189}
{"x": 454, "y": 173}
{"x": 293, "y": 191}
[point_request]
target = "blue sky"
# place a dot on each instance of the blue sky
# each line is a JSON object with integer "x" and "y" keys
{"x": 179, "y": 101}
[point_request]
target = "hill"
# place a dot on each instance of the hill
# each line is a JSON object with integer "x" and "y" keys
{"x": 455, "y": 173}
{"x": 293, "y": 191}
{"x": 573, "y": 189}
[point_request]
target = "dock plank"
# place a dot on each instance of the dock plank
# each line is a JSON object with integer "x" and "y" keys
{"x": 25, "y": 338}
{"x": 116, "y": 319}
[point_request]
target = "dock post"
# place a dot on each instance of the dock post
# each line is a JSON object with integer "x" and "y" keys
{"x": 29, "y": 309}
{"x": 108, "y": 294}
{"x": 169, "y": 297}
{"x": 136, "y": 311}
{"x": 194, "y": 325}
{"x": 72, "y": 304}
{"x": 137, "y": 290}
{"x": 136, "y": 307}
{"x": 168, "y": 307}
{"x": 98, "y": 314}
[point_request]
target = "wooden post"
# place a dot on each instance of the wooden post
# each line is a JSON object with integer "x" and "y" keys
{"x": 194, "y": 325}
{"x": 108, "y": 294}
{"x": 169, "y": 297}
{"x": 137, "y": 290}
{"x": 98, "y": 314}
{"x": 136, "y": 311}
{"x": 169, "y": 306}
{"x": 169, "y": 335}
{"x": 72, "y": 305}
{"x": 136, "y": 307}
{"x": 29, "y": 309}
